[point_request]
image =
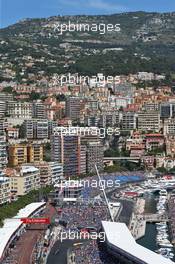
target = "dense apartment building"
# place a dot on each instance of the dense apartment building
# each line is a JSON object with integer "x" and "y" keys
{"x": 3, "y": 152}
{"x": 67, "y": 150}
{"x": 109, "y": 119}
{"x": 91, "y": 120}
{"x": 73, "y": 107}
{"x": 24, "y": 110}
{"x": 151, "y": 106}
{"x": 56, "y": 172}
{"x": 37, "y": 129}
{"x": 95, "y": 155}
{"x": 38, "y": 110}
{"x": 17, "y": 154}
{"x": 24, "y": 180}
{"x": 6, "y": 97}
{"x": 169, "y": 126}
{"x": 25, "y": 153}
{"x": 83, "y": 159}
{"x": 50, "y": 172}
{"x": 149, "y": 121}
{"x": 167, "y": 110}
{"x": 34, "y": 153}
{"x": 3, "y": 126}
{"x": 45, "y": 176}
{"x": 19, "y": 110}
{"x": 3, "y": 108}
{"x": 4, "y": 189}
{"x": 129, "y": 121}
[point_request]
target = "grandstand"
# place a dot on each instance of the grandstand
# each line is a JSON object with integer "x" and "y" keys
{"x": 14, "y": 227}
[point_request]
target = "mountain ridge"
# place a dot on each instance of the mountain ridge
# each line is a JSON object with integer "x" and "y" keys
{"x": 146, "y": 42}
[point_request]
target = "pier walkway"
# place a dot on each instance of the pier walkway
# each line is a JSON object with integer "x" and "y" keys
{"x": 152, "y": 218}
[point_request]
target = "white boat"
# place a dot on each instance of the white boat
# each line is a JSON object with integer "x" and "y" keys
{"x": 161, "y": 237}
{"x": 164, "y": 250}
{"x": 169, "y": 245}
{"x": 161, "y": 224}
{"x": 163, "y": 192}
{"x": 162, "y": 228}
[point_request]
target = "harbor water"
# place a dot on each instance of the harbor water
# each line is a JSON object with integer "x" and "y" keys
{"x": 149, "y": 240}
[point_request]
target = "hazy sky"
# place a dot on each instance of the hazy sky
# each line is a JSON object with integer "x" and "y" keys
{"x": 13, "y": 10}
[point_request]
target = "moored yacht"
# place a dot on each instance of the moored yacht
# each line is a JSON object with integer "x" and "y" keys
{"x": 163, "y": 192}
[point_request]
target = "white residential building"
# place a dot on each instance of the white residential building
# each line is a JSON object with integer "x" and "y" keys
{"x": 4, "y": 189}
